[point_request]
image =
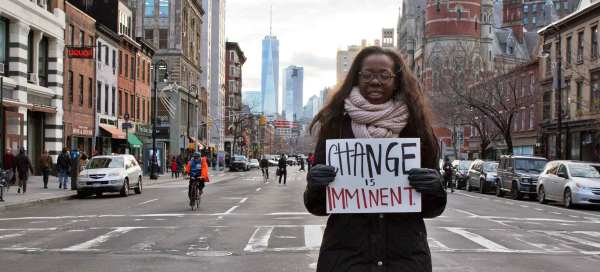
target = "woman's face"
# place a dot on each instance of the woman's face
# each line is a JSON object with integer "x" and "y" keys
{"x": 376, "y": 79}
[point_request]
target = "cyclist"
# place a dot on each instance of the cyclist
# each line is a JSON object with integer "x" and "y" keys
{"x": 264, "y": 166}
{"x": 448, "y": 174}
{"x": 195, "y": 165}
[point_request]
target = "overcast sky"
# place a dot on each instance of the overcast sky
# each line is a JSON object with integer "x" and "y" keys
{"x": 309, "y": 33}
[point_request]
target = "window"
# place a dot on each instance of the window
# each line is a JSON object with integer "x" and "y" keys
{"x": 547, "y": 105}
{"x": 149, "y": 8}
{"x": 99, "y": 51}
{"x": 568, "y": 53}
{"x": 90, "y": 92}
{"x": 533, "y": 7}
{"x": 533, "y": 20}
{"x": 149, "y": 35}
{"x": 525, "y": 8}
{"x": 595, "y": 92}
{"x": 114, "y": 64}
{"x": 163, "y": 8}
{"x": 126, "y": 103}
{"x": 70, "y": 88}
{"x": 80, "y": 90}
{"x": 120, "y": 103}
{"x": 525, "y": 21}
{"x": 91, "y": 40}
{"x": 524, "y": 121}
{"x": 43, "y": 62}
{"x": 133, "y": 74}
{"x": 72, "y": 34}
{"x": 531, "y": 117}
{"x": 99, "y": 97}
{"x": 148, "y": 70}
{"x": 112, "y": 101}
{"x": 81, "y": 38}
{"x": 580, "y": 47}
{"x": 579, "y": 96}
{"x": 163, "y": 38}
{"x": 4, "y": 44}
{"x": 132, "y": 106}
{"x": 137, "y": 108}
{"x": 126, "y": 66}
{"x": 120, "y": 62}
{"x": 144, "y": 70}
{"x": 106, "y": 98}
{"x": 106, "y": 55}
{"x": 594, "y": 42}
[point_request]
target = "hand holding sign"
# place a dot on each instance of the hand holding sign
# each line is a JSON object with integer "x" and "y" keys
{"x": 372, "y": 175}
{"x": 319, "y": 176}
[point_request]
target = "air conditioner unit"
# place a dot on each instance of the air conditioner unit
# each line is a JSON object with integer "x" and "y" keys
{"x": 32, "y": 78}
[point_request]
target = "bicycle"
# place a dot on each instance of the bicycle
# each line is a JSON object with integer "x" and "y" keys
{"x": 195, "y": 193}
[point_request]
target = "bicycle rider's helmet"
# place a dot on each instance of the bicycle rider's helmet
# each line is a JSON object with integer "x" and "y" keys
{"x": 196, "y": 155}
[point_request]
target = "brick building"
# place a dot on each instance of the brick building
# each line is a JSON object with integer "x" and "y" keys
{"x": 234, "y": 60}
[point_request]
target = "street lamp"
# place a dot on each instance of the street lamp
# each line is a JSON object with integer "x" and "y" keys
{"x": 160, "y": 64}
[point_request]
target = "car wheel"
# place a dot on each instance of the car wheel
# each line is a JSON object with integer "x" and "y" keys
{"x": 514, "y": 191}
{"x": 568, "y": 199}
{"x": 541, "y": 195}
{"x": 138, "y": 189}
{"x": 499, "y": 192}
{"x": 98, "y": 194}
{"x": 125, "y": 189}
{"x": 482, "y": 186}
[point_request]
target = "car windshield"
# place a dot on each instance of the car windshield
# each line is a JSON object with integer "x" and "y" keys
{"x": 238, "y": 158}
{"x": 584, "y": 171}
{"x": 98, "y": 163}
{"x": 464, "y": 165}
{"x": 530, "y": 165}
{"x": 490, "y": 167}
{"x": 254, "y": 161}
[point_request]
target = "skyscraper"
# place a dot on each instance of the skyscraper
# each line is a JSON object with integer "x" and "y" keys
{"x": 217, "y": 73}
{"x": 292, "y": 92}
{"x": 252, "y": 100}
{"x": 269, "y": 81}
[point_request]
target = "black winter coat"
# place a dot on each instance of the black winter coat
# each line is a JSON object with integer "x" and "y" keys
{"x": 375, "y": 242}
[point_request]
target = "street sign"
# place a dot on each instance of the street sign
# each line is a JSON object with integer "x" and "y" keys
{"x": 126, "y": 125}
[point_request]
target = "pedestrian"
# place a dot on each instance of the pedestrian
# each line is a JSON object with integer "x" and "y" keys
{"x": 301, "y": 164}
{"x": 310, "y": 160}
{"x": 46, "y": 167}
{"x": 447, "y": 167}
{"x": 379, "y": 98}
{"x": 174, "y": 170}
{"x": 23, "y": 168}
{"x": 83, "y": 160}
{"x": 10, "y": 166}
{"x": 264, "y": 166}
{"x": 282, "y": 168}
{"x": 180, "y": 164}
{"x": 63, "y": 166}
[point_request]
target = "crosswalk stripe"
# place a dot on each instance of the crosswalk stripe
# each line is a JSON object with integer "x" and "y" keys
{"x": 87, "y": 245}
{"x": 480, "y": 240}
{"x": 12, "y": 235}
{"x": 313, "y": 235}
{"x": 436, "y": 245}
{"x": 563, "y": 235}
{"x": 259, "y": 241}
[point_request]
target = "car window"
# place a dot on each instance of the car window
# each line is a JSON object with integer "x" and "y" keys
{"x": 529, "y": 165}
{"x": 562, "y": 170}
{"x": 490, "y": 167}
{"x": 584, "y": 171}
{"x": 98, "y": 163}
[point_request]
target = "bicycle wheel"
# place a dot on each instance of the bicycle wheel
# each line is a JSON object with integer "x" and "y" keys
{"x": 193, "y": 196}
{"x": 198, "y": 198}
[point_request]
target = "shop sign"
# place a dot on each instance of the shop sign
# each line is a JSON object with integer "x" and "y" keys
{"x": 82, "y": 130}
{"x": 80, "y": 52}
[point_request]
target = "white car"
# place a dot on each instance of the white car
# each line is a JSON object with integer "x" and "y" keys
{"x": 253, "y": 163}
{"x": 115, "y": 173}
{"x": 570, "y": 182}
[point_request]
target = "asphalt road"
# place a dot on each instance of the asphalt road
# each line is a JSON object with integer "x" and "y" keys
{"x": 245, "y": 225}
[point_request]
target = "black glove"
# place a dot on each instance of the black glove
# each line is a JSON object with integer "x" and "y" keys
{"x": 426, "y": 180}
{"x": 320, "y": 176}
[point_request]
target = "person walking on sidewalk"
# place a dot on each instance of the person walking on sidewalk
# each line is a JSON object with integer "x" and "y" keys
{"x": 23, "y": 168}
{"x": 63, "y": 166}
{"x": 264, "y": 166}
{"x": 45, "y": 166}
{"x": 282, "y": 168}
{"x": 10, "y": 166}
{"x": 174, "y": 170}
{"x": 310, "y": 160}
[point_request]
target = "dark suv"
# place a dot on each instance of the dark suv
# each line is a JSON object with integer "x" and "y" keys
{"x": 518, "y": 175}
{"x": 238, "y": 163}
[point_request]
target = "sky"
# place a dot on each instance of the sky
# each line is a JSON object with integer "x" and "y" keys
{"x": 309, "y": 33}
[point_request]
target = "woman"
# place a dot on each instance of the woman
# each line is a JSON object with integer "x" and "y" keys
{"x": 379, "y": 98}
{"x": 174, "y": 169}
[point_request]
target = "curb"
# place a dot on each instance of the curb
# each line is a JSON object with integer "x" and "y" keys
{"x": 36, "y": 202}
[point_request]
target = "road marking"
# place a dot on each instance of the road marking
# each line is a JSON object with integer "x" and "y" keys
{"x": 288, "y": 213}
{"x": 538, "y": 209}
{"x": 243, "y": 200}
{"x": 12, "y": 235}
{"x": 146, "y": 202}
{"x": 29, "y": 229}
{"x": 259, "y": 240}
{"x": 523, "y": 206}
{"x": 467, "y": 195}
{"x": 590, "y": 233}
{"x": 555, "y": 212}
{"x": 435, "y": 244}
{"x": 313, "y": 235}
{"x": 227, "y": 212}
{"x": 87, "y": 245}
{"x": 574, "y": 216}
{"x": 466, "y": 212}
{"x": 258, "y": 189}
{"x": 480, "y": 240}
{"x": 563, "y": 235}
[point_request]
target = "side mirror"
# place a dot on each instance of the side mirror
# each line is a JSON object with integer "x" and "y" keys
{"x": 563, "y": 175}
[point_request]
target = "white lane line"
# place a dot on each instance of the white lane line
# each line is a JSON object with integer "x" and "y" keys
{"x": 313, "y": 235}
{"x": 523, "y": 206}
{"x": 12, "y": 235}
{"x": 288, "y": 213}
{"x": 227, "y": 212}
{"x": 458, "y": 193}
{"x": 243, "y": 200}
{"x": 574, "y": 216}
{"x": 538, "y": 209}
{"x": 466, "y": 212}
{"x": 590, "y": 233}
{"x": 437, "y": 245}
{"x": 480, "y": 240}
{"x": 258, "y": 189}
{"x": 29, "y": 229}
{"x": 259, "y": 240}
{"x": 87, "y": 245}
{"x": 555, "y": 212}
{"x": 563, "y": 235}
{"x": 146, "y": 202}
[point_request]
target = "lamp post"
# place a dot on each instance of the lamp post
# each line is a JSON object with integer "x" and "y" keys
{"x": 160, "y": 64}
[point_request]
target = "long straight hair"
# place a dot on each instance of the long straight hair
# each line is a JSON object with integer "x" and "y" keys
{"x": 330, "y": 117}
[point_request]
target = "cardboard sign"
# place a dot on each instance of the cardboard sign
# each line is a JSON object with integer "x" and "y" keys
{"x": 372, "y": 175}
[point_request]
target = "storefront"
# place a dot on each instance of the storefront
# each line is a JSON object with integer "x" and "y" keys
{"x": 135, "y": 146}
{"x": 111, "y": 140}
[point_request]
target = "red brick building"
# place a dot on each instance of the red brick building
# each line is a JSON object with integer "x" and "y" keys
{"x": 234, "y": 59}
{"x": 79, "y": 78}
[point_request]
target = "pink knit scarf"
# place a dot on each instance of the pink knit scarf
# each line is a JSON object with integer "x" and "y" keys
{"x": 375, "y": 121}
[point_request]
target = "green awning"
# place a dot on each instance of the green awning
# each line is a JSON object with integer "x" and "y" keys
{"x": 134, "y": 141}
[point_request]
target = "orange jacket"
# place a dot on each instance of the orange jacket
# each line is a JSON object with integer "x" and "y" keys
{"x": 204, "y": 172}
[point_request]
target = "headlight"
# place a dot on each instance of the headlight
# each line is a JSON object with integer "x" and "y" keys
{"x": 114, "y": 174}
{"x": 525, "y": 180}
{"x": 115, "y": 181}
{"x": 583, "y": 188}
{"x": 83, "y": 175}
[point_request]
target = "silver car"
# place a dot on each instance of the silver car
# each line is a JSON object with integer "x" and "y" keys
{"x": 116, "y": 173}
{"x": 570, "y": 182}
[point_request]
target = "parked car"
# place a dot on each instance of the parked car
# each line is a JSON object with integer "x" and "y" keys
{"x": 115, "y": 173}
{"x": 253, "y": 163}
{"x": 461, "y": 173}
{"x": 273, "y": 163}
{"x": 239, "y": 162}
{"x": 570, "y": 183}
{"x": 482, "y": 175}
{"x": 518, "y": 175}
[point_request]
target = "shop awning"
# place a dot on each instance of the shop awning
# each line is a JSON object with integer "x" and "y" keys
{"x": 134, "y": 141}
{"x": 115, "y": 132}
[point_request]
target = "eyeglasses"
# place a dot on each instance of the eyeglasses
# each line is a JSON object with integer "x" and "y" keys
{"x": 382, "y": 77}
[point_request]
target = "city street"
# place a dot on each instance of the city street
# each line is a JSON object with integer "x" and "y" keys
{"x": 245, "y": 225}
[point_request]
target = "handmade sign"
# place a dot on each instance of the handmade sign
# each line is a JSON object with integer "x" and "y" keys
{"x": 372, "y": 175}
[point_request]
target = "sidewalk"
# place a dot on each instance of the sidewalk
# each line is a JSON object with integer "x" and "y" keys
{"x": 36, "y": 194}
